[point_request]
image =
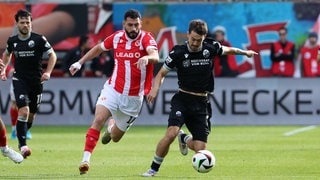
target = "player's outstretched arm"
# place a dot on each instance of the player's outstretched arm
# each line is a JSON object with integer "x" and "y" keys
{"x": 237, "y": 51}
{"x": 94, "y": 52}
{"x": 157, "y": 84}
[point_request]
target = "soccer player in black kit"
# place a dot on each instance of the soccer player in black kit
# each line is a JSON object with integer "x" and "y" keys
{"x": 193, "y": 62}
{"x": 28, "y": 49}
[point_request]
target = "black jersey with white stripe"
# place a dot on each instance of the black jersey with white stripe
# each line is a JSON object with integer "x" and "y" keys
{"x": 194, "y": 69}
{"x": 28, "y": 55}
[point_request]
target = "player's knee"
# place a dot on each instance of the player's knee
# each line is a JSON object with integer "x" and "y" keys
{"x": 22, "y": 119}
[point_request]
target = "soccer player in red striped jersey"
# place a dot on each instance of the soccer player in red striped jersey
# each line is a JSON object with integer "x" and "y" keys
{"x": 135, "y": 52}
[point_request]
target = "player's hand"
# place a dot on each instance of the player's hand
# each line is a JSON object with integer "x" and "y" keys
{"x": 250, "y": 53}
{"x": 142, "y": 62}
{"x": 45, "y": 77}
{"x": 3, "y": 75}
{"x": 152, "y": 95}
{"x": 75, "y": 67}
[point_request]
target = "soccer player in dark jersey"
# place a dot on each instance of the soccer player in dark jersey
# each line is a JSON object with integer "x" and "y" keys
{"x": 28, "y": 49}
{"x": 193, "y": 62}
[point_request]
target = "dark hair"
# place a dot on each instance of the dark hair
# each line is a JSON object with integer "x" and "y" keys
{"x": 132, "y": 13}
{"x": 22, "y": 13}
{"x": 198, "y": 26}
{"x": 313, "y": 34}
{"x": 83, "y": 39}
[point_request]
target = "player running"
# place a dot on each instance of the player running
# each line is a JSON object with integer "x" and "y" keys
{"x": 135, "y": 52}
{"x": 28, "y": 49}
{"x": 190, "y": 105}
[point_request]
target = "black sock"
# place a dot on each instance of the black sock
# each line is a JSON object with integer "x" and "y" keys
{"x": 155, "y": 166}
{"x": 156, "y": 163}
{"x": 21, "y": 133}
{"x": 182, "y": 137}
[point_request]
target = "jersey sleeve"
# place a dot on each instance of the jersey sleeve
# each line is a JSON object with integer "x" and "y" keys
{"x": 47, "y": 46}
{"x": 108, "y": 42}
{"x": 149, "y": 41}
{"x": 218, "y": 50}
{"x": 171, "y": 59}
{"x": 9, "y": 47}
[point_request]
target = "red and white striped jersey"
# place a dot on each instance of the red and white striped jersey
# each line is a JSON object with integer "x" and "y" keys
{"x": 126, "y": 78}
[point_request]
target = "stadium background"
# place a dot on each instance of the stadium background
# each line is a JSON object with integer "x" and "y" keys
{"x": 253, "y": 98}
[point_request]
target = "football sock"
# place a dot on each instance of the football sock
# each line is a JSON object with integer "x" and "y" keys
{"x": 186, "y": 138}
{"x": 91, "y": 139}
{"x": 13, "y": 115}
{"x": 21, "y": 132}
{"x": 156, "y": 163}
{"x": 86, "y": 156}
{"x": 3, "y": 138}
{"x": 182, "y": 137}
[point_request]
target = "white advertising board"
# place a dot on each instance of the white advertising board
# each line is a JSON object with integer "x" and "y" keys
{"x": 236, "y": 101}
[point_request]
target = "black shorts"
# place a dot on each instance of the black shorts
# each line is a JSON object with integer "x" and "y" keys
{"x": 27, "y": 94}
{"x": 193, "y": 111}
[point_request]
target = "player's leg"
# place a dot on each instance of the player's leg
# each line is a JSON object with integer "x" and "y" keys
{"x": 13, "y": 113}
{"x": 5, "y": 150}
{"x": 119, "y": 125}
{"x": 26, "y": 117}
{"x": 123, "y": 118}
{"x": 176, "y": 120}
{"x": 22, "y": 101}
{"x": 199, "y": 126}
{"x": 22, "y": 128}
{"x": 162, "y": 150}
{"x": 92, "y": 136}
{"x": 14, "y": 119}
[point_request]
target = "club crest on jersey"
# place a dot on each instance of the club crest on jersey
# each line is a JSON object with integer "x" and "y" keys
{"x": 186, "y": 55}
{"x": 31, "y": 43}
{"x": 137, "y": 43}
{"x": 206, "y": 53}
{"x": 22, "y": 97}
{"x": 186, "y": 63}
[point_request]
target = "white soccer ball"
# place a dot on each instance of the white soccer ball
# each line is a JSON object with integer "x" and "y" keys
{"x": 203, "y": 161}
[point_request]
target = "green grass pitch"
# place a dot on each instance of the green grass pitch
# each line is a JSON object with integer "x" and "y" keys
{"x": 242, "y": 153}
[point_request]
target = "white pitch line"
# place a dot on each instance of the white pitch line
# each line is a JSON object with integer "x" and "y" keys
{"x": 299, "y": 130}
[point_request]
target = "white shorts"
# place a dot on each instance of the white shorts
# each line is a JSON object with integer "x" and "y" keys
{"x": 124, "y": 109}
{"x": 12, "y": 97}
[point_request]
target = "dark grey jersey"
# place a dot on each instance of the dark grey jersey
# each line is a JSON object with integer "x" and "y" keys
{"x": 28, "y": 54}
{"x": 194, "y": 69}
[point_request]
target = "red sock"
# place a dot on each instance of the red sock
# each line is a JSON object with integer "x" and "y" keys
{"x": 3, "y": 138}
{"x": 14, "y": 115}
{"x": 92, "y": 138}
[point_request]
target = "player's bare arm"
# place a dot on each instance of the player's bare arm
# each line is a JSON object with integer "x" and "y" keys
{"x": 1, "y": 65}
{"x": 51, "y": 63}
{"x": 94, "y": 52}
{"x": 5, "y": 60}
{"x": 237, "y": 51}
{"x": 157, "y": 84}
{"x": 152, "y": 57}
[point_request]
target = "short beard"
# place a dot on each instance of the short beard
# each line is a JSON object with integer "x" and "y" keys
{"x": 132, "y": 35}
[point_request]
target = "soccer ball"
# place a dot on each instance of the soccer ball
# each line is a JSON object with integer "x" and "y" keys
{"x": 203, "y": 161}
